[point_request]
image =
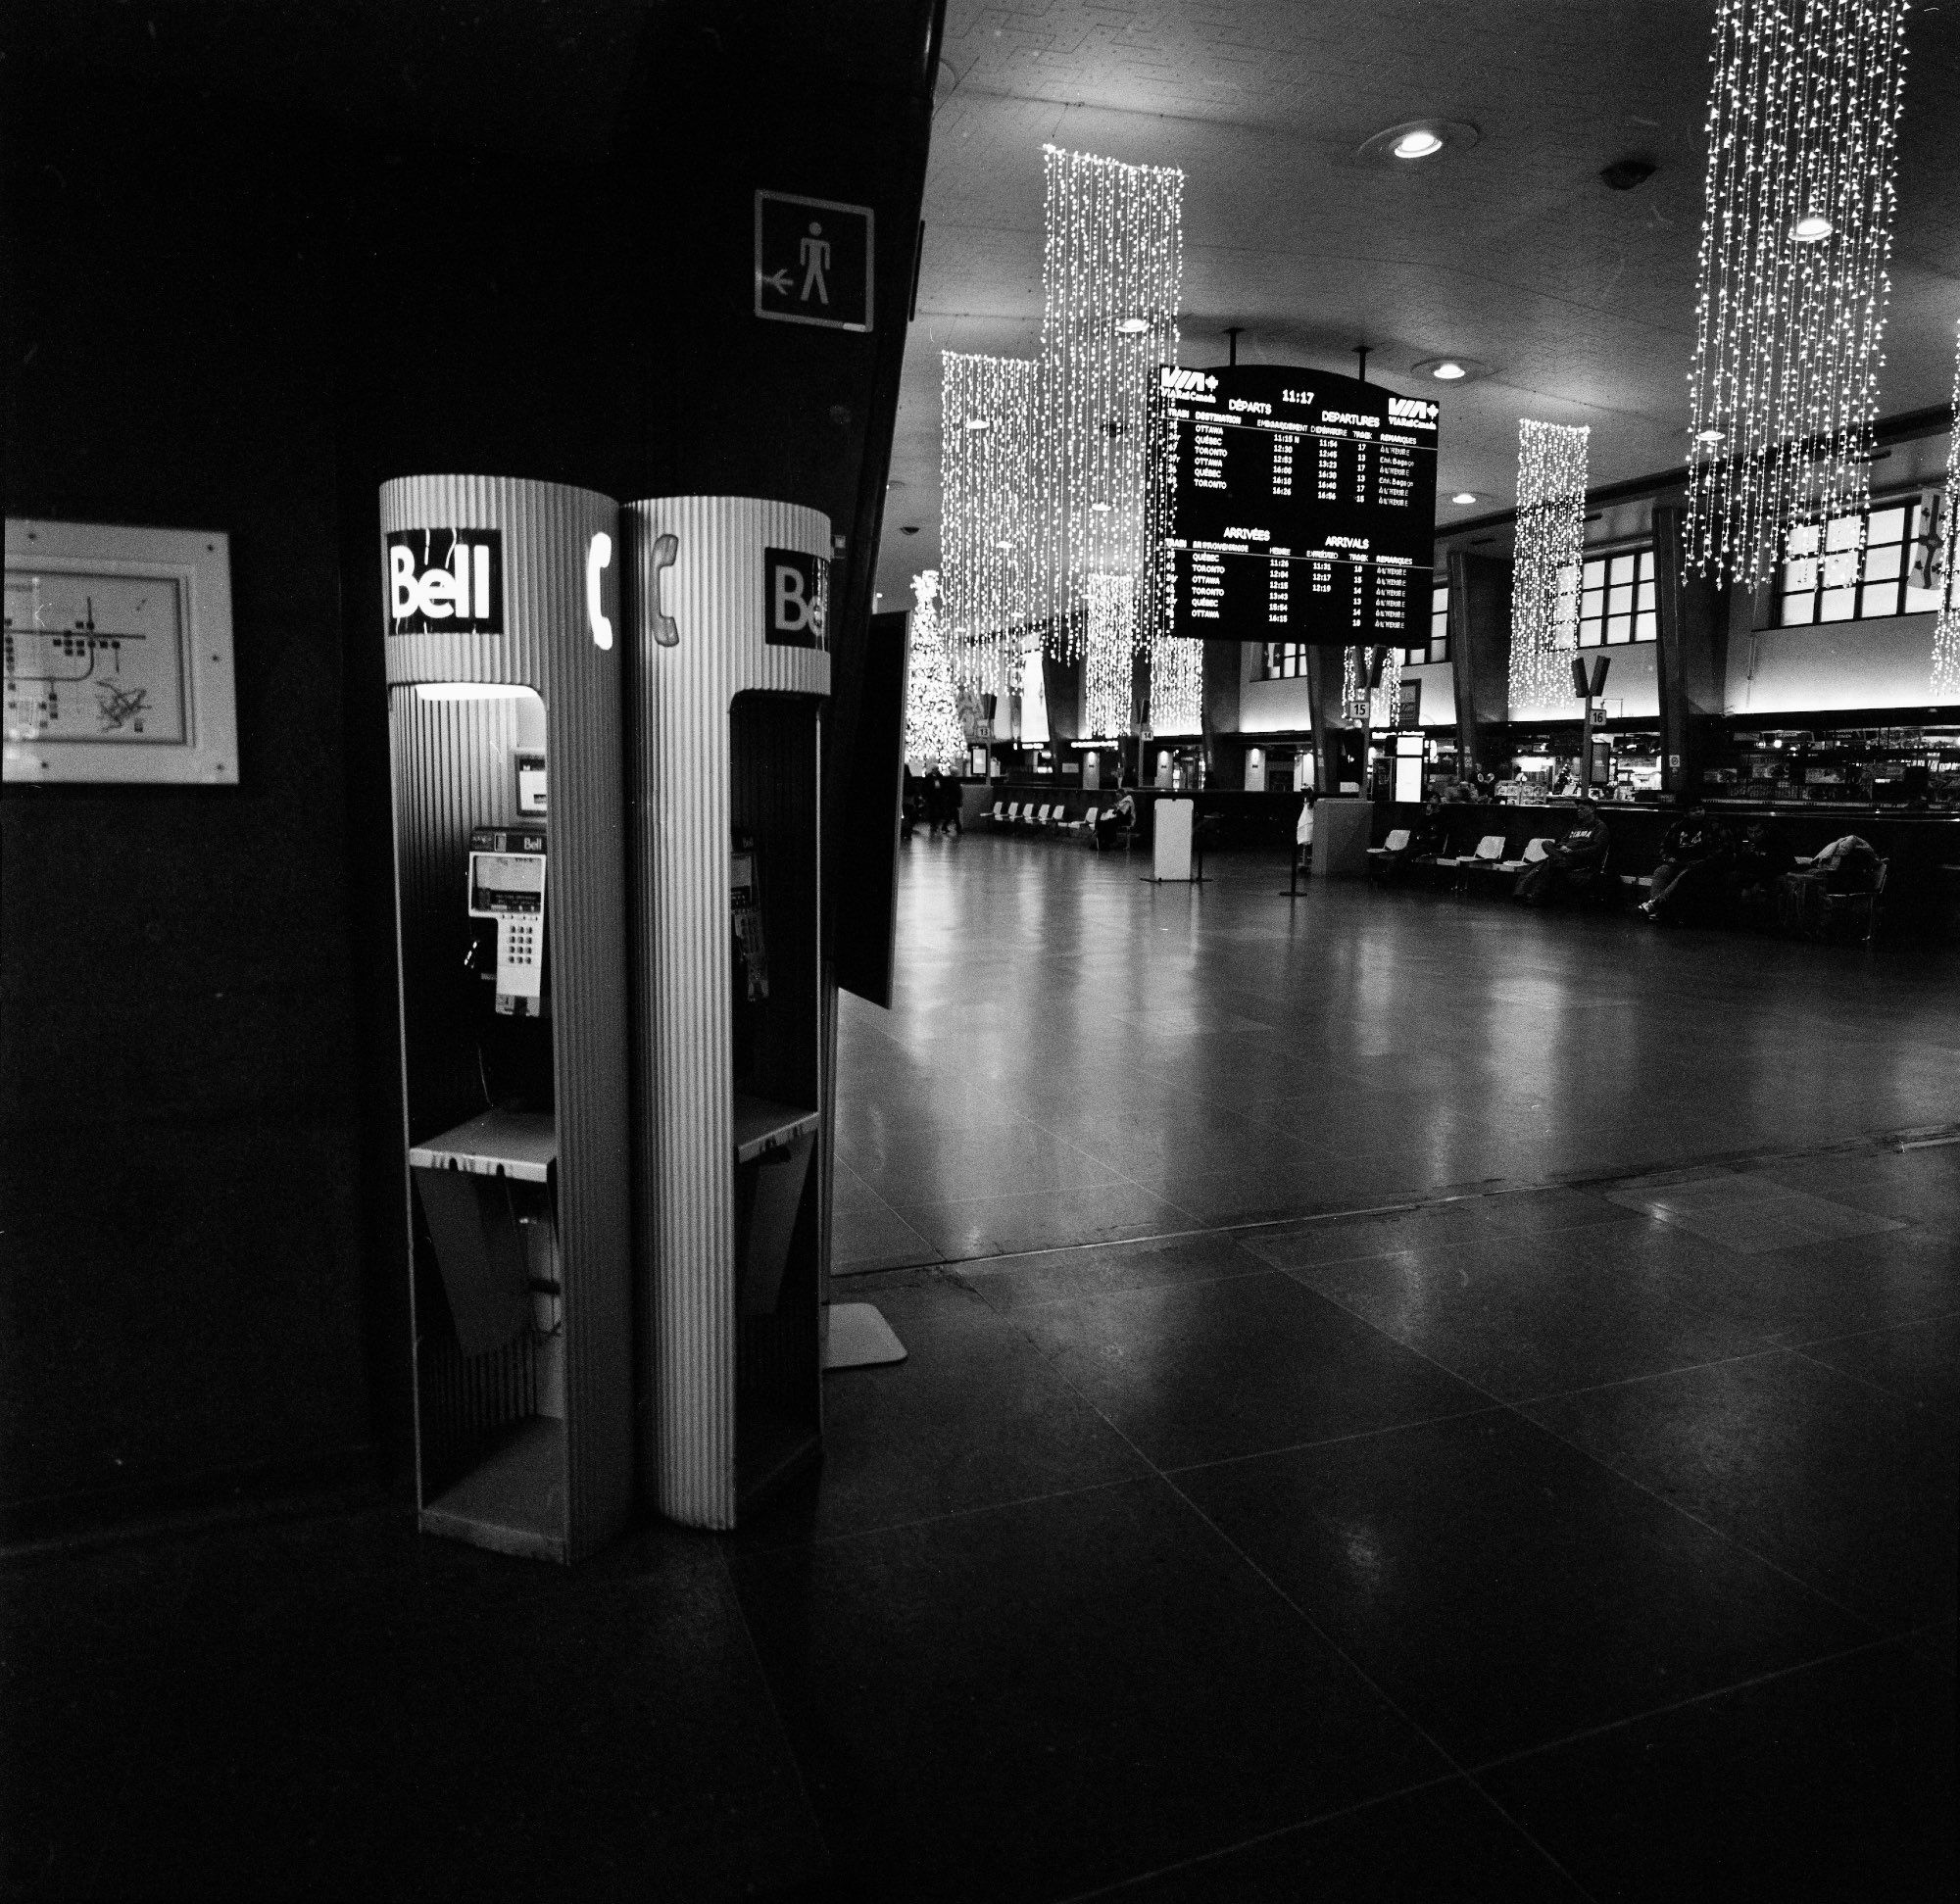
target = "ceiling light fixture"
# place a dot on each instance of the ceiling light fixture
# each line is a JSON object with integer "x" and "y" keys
{"x": 1450, "y": 369}
{"x": 986, "y": 486}
{"x": 1710, "y": 437}
{"x": 979, "y": 423}
{"x": 1802, "y": 145}
{"x": 1463, "y": 496}
{"x": 1544, "y": 575}
{"x": 1112, "y": 255}
{"x": 1133, "y": 326}
{"x": 1417, "y": 138}
{"x": 1946, "y": 626}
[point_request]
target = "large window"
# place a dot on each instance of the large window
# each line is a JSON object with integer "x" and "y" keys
{"x": 1437, "y": 647}
{"x": 1286, "y": 661}
{"x": 1616, "y": 602}
{"x": 1827, "y": 578}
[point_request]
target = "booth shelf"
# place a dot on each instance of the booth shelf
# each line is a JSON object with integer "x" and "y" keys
{"x": 761, "y": 1126}
{"x": 519, "y": 1143}
{"x": 512, "y": 1500}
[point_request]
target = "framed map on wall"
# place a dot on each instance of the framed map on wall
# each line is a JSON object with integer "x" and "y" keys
{"x": 118, "y": 662}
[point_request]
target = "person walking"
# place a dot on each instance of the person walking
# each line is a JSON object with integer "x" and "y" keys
{"x": 1302, "y": 834}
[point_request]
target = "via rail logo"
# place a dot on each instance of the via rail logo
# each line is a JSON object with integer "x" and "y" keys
{"x": 445, "y": 581}
{"x": 796, "y": 598}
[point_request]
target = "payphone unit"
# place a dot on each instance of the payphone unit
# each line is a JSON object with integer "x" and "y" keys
{"x": 514, "y": 1053}
{"x": 507, "y": 890}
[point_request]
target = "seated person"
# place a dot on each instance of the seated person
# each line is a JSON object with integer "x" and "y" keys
{"x": 1430, "y": 835}
{"x": 1692, "y": 876}
{"x": 1571, "y": 866}
{"x": 1115, "y": 820}
{"x": 1762, "y": 858}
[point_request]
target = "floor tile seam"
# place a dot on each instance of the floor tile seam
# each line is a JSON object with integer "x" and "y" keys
{"x": 760, "y": 1547}
{"x": 1544, "y": 1428}
{"x": 1366, "y": 1677}
{"x": 1504, "y": 1759}
{"x": 1866, "y": 1383}
{"x": 1408, "y": 1427}
{"x": 1309, "y": 1824}
{"x": 1088, "y": 1296}
{"x": 1261, "y": 1573}
{"x": 1876, "y": 1329}
{"x": 785, "y": 1739}
{"x": 1728, "y": 1538}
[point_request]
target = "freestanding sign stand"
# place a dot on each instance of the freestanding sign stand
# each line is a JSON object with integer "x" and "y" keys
{"x": 502, "y": 599}
{"x": 730, "y": 671}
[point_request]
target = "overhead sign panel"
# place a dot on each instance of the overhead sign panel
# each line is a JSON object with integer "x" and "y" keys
{"x": 1302, "y": 505}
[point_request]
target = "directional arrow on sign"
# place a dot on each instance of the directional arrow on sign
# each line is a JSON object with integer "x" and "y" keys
{"x": 780, "y": 283}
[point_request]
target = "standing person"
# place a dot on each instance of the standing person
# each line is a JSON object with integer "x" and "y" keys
{"x": 908, "y": 803}
{"x": 1302, "y": 834}
{"x": 934, "y": 801}
{"x": 950, "y": 801}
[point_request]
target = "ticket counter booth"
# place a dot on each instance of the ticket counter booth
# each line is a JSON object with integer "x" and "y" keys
{"x": 504, "y": 728}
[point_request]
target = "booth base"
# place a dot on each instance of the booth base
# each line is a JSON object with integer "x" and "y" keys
{"x": 513, "y": 1502}
{"x": 861, "y": 1338}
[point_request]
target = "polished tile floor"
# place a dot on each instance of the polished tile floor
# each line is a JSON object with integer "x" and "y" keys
{"x": 1526, "y": 1540}
{"x": 1074, "y": 1056}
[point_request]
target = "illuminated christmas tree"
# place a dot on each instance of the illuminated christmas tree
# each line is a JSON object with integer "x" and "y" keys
{"x": 934, "y": 735}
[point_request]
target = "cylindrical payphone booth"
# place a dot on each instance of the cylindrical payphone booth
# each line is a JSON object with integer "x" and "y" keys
{"x": 731, "y": 668}
{"x": 505, "y": 724}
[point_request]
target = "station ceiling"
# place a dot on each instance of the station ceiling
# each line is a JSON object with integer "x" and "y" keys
{"x": 1510, "y": 252}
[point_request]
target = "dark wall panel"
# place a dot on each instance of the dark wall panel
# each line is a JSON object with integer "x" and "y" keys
{"x": 177, "y": 1111}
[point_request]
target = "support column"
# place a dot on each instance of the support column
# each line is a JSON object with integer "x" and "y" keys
{"x": 1479, "y": 651}
{"x": 1323, "y": 703}
{"x": 1692, "y": 661}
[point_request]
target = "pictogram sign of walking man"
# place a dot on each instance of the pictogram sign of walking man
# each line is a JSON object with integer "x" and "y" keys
{"x": 814, "y": 261}
{"x": 815, "y": 251}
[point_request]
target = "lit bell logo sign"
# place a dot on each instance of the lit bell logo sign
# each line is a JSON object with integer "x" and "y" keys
{"x": 796, "y": 598}
{"x": 446, "y": 581}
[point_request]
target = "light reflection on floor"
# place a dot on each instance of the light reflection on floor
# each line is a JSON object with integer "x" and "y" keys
{"x": 1075, "y": 1054}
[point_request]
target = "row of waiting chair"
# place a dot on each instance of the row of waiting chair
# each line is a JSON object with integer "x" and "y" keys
{"x": 1462, "y": 871}
{"x": 1026, "y": 816}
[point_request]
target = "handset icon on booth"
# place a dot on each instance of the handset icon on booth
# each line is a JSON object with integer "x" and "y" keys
{"x": 597, "y": 559}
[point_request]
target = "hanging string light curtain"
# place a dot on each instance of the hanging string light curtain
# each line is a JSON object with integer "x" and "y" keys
{"x": 1354, "y": 686}
{"x": 934, "y": 735}
{"x": 1795, "y": 240}
{"x": 1111, "y": 275}
{"x": 986, "y": 537}
{"x": 1177, "y": 684}
{"x": 1946, "y": 627}
{"x": 1108, "y": 653}
{"x": 1389, "y": 696}
{"x": 1545, "y": 573}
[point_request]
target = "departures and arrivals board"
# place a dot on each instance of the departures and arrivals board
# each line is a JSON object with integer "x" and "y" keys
{"x": 1301, "y": 507}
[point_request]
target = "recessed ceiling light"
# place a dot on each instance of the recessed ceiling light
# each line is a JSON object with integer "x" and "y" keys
{"x": 1708, "y": 436}
{"x": 1004, "y": 544}
{"x": 979, "y": 423}
{"x": 1133, "y": 326}
{"x": 1418, "y": 138}
{"x": 1450, "y": 369}
{"x": 1463, "y": 496}
{"x": 1099, "y": 509}
{"x": 1811, "y": 228}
